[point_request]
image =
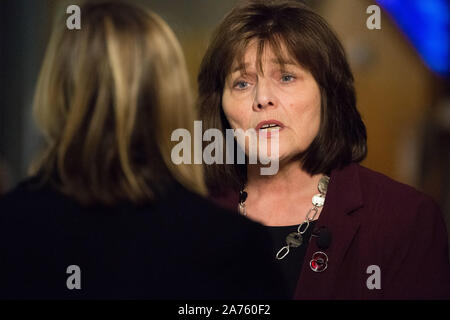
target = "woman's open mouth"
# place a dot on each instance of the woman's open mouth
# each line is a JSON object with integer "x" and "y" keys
{"x": 268, "y": 127}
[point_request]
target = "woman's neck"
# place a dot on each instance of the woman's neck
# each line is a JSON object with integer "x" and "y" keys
{"x": 290, "y": 178}
{"x": 280, "y": 199}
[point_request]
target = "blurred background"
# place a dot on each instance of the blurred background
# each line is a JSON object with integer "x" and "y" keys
{"x": 401, "y": 75}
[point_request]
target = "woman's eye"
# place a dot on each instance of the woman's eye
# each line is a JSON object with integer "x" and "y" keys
{"x": 287, "y": 78}
{"x": 241, "y": 85}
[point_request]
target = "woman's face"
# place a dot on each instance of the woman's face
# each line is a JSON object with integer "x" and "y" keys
{"x": 288, "y": 99}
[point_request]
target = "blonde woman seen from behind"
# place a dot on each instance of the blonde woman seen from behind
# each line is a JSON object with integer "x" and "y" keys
{"x": 106, "y": 214}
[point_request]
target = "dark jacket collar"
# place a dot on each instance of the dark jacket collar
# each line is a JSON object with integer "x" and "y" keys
{"x": 340, "y": 215}
{"x": 344, "y": 189}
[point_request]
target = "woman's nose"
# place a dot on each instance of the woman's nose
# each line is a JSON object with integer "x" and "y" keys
{"x": 264, "y": 97}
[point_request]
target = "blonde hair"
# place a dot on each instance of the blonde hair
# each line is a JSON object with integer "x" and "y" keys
{"x": 107, "y": 99}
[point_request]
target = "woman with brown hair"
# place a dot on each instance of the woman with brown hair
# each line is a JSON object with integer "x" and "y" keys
{"x": 107, "y": 213}
{"x": 342, "y": 231}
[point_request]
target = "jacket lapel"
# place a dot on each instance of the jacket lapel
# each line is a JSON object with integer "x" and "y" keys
{"x": 342, "y": 199}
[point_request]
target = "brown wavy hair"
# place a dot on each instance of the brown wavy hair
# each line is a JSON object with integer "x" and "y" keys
{"x": 312, "y": 43}
{"x": 108, "y": 98}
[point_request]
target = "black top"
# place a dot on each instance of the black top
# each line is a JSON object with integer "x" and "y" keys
{"x": 291, "y": 264}
{"x": 180, "y": 247}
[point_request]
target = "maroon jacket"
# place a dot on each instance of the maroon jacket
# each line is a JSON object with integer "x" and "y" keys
{"x": 375, "y": 220}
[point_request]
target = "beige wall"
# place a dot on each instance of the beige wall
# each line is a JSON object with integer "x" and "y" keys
{"x": 395, "y": 89}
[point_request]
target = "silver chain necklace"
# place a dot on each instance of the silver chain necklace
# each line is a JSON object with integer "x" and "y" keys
{"x": 295, "y": 239}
